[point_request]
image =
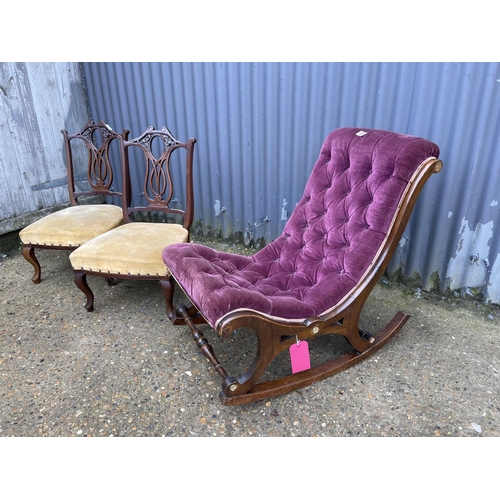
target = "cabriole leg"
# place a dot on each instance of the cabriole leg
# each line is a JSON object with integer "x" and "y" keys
{"x": 29, "y": 254}
{"x": 81, "y": 283}
{"x": 168, "y": 286}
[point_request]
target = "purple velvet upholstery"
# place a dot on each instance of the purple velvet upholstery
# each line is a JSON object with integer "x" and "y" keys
{"x": 328, "y": 243}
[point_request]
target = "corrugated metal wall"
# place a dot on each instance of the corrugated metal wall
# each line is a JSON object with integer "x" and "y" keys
{"x": 37, "y": 101}
{"x": 260, "y": 126}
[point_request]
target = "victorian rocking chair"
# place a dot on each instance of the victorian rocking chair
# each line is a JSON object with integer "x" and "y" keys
{"x": 134, "y": 249}
{"x": 314, "y": 279}
{"x": 70, "y": 227}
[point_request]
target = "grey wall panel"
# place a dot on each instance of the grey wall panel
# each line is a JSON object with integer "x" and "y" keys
{"x": 260, "y": 126}
{"x": 37, "y": 101}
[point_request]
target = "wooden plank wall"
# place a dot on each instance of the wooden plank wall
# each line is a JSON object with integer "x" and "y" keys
{"x": 37, "y": 101}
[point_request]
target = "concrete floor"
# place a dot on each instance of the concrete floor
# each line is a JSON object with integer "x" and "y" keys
{"x": 124, "y": 370}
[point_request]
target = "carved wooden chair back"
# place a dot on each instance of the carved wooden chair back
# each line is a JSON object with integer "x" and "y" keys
{"x": 98, "y": 140}
{"x": 153, "y": 171}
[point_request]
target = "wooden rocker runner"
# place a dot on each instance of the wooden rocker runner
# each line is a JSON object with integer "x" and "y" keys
{"x": 314, "y": 279}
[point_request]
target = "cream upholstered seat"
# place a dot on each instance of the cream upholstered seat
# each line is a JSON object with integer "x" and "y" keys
{"x": 134, "y": 250}
{"x": 70, "y": 227}
{"x": 131, "y": 249}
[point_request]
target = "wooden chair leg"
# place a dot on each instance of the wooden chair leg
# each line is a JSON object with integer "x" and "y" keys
{"x": 168, "y": 286}
{"x": 173, "y": 313}
{"x": 81, "y": 283}
{"x": 29, "y": 254}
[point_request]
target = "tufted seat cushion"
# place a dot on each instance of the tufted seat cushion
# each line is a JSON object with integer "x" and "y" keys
{"x": 72, "y": 226}
{"x": 331, "y": 239}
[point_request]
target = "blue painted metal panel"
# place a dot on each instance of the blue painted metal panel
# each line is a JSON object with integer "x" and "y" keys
{"x": 260, "y": 126}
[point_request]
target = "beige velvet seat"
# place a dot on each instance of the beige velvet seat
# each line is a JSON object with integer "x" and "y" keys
{"x": 70, "y": 227}
{"x": 134, "y": 249}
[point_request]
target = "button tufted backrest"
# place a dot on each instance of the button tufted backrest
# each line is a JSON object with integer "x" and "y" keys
{"x": 344, "y": 215}
{"x": 331, "y": 239}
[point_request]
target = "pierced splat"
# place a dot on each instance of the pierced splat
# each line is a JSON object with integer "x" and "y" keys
{"x": 97, "y": 139}
{"x": 158, "y": 188}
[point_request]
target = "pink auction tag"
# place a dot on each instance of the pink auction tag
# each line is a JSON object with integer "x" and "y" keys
{"x": 299, "y": 356}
